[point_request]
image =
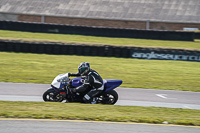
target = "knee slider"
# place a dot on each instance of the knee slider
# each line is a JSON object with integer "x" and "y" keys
{"x": 87, "y": 99}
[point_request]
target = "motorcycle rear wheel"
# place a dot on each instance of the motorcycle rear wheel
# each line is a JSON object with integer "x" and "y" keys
{"x": 109, "y": 97}
{"x": 51, "y": 96}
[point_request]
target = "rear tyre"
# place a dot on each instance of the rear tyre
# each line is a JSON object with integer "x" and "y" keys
{"x": 109, "y": 97}
{"x": 52, "y": 96}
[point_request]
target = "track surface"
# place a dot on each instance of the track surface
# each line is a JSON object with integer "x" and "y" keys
{"x": 127, "y": 96}
{"x": 44, "y": 126}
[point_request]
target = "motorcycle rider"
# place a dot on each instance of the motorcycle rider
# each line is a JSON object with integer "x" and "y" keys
{"x": 91, "y": 80}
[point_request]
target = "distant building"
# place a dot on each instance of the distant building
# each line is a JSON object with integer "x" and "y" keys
{"x": 136, "y": 14}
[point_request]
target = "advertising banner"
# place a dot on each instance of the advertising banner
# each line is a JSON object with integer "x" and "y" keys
{"x": 166, "y": 56}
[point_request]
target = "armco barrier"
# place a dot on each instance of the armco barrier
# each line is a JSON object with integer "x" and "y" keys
{"x": 107, "y": 51}
{"x": 97, "y": 31}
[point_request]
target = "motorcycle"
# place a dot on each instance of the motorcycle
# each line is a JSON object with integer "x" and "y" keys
{"x": 62, "y": 85}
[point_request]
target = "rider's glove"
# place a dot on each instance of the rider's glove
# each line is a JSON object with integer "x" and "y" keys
{"x": 69, "y": 74}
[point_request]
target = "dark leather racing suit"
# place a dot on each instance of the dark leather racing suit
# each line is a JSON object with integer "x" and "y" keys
{"x": 93, "y": 81}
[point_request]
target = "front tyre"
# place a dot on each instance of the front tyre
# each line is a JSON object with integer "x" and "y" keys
{"x": 52, "y": 96}
{"x": 109, "y": 97}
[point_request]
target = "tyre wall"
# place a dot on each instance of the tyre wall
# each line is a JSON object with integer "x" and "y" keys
{"x": 197, "y": 35}
{"x": 103, "y": 51}
{"x": 97, "y": 31}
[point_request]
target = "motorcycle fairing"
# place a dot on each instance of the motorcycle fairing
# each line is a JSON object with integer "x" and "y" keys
{"x": 109, "y": 84}
{"x": 60, "y": 81}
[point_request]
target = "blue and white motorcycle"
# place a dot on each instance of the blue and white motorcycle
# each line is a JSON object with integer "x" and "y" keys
{"x": 61, "y": 90}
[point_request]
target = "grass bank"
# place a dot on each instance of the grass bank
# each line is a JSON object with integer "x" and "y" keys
{"x": 29, "y": 36}
{"x": 90, "y": 112}
{"x": 135, "y": 73}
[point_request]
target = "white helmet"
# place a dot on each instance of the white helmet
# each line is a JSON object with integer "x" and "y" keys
{"x": 83, "y": 68}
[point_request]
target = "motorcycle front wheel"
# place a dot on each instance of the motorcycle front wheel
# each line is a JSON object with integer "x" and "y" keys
{"x": 109, "y": 97}
{"x": 52, "y": 96}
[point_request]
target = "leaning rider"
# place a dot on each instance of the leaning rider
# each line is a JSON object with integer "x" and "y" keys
{"x": 92, "y": 81}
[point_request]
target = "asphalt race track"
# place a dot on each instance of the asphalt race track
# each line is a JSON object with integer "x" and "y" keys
{"x": 127, "y": 96}
{"x": 63, "y": 126}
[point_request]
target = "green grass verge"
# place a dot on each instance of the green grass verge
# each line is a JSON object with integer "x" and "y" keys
{"x": 77, "y": 111}
{"x": 28, "y": 36}
{"x": 137, "y": 73}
